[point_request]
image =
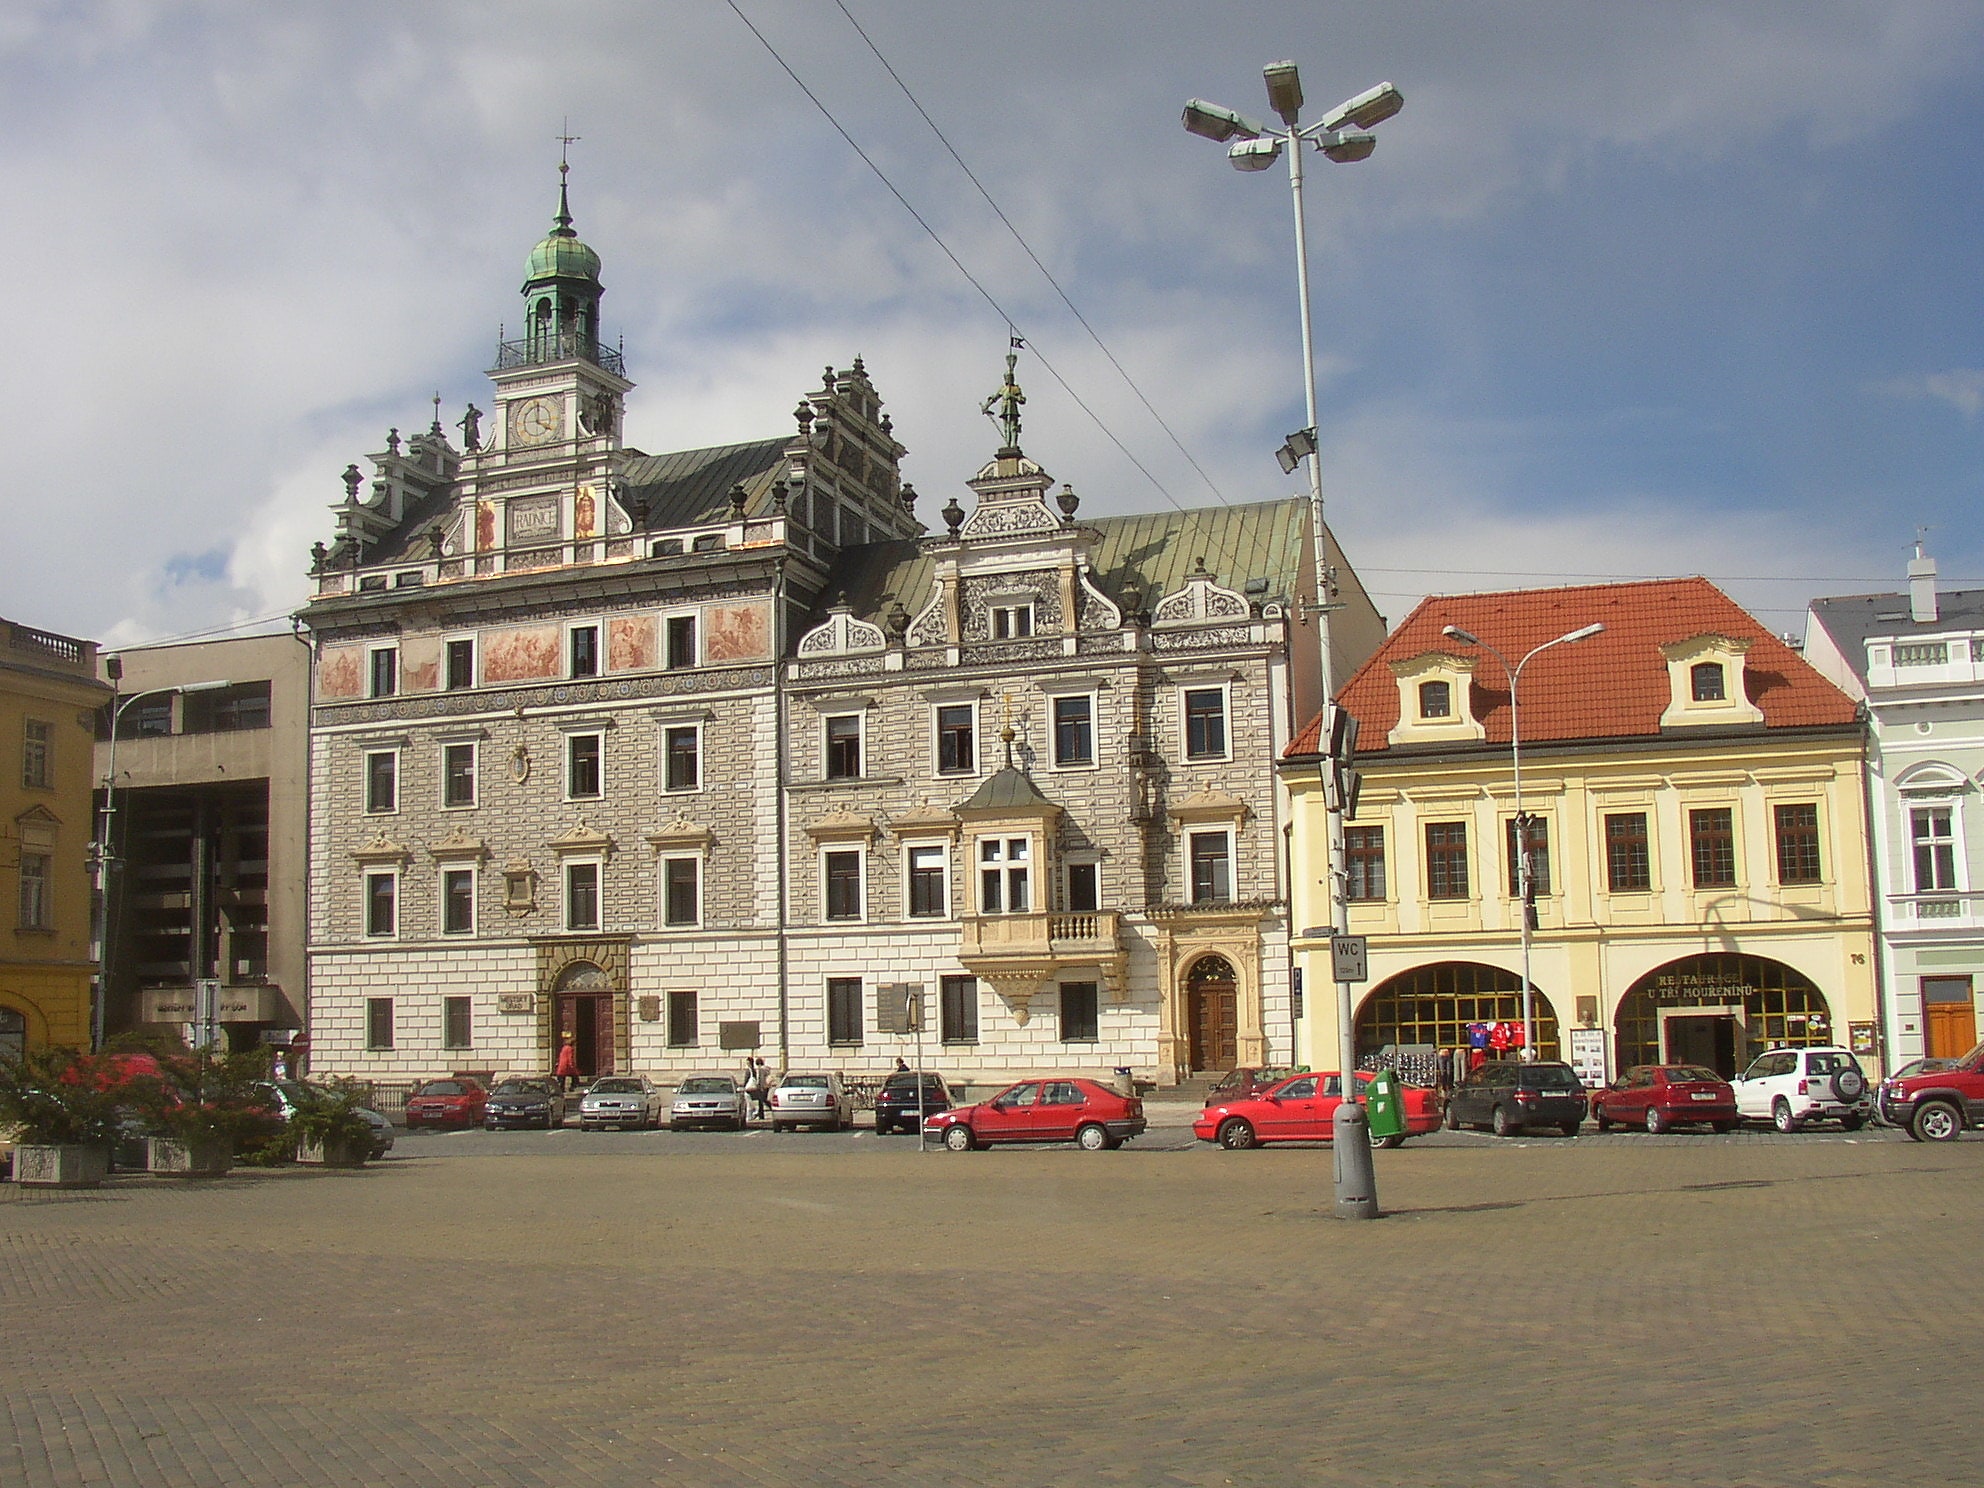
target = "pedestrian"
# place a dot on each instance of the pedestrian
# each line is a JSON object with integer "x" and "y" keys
{"x": 902, "y": 1066}
{"x": 567, "y": 1068}
{"x": 760, "y": 1088}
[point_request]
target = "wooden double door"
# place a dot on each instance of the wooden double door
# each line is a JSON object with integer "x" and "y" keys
{"x": 588, "y": 1018}
{"x": 1950, "y": 1011}
{"x": 1213, "y": 1011}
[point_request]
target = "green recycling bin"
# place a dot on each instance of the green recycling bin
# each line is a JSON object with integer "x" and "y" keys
{"x": 1384, "y": 1105}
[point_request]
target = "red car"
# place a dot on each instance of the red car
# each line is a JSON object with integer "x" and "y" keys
{"x": 458, "y": 1101}
{"x": 1659, "y": 1096}
{"x": 1936, "y": 1103}
{"x": 1084, "y": 1112}
{"x": 1293, "y": 1111}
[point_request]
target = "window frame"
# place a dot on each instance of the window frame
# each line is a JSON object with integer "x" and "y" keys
{"x": 1628, "y": 856}
{"x": 449, "y": 876}
{"x": 844, "y": 1000}
{"x": 1539, "y": 854}
{"x": 1072, "y": 1032}
{"x": 578, "y": 668}
{"x": 568, "y": 898}
{"x": 35, "y": 899}
{"x": 915, "y": 875}
{"x": 1010, "y": 622}
{"x": 37, "y": 754}
{"x": 957, "y": 1009}
{"x": 368, "y": 781}
{"x": 677, "y": 999}
{"x": 1793, "y": 847}
{"x": 572, "y": 742}
{"x": 457, "y": 1007}
{"x": 1708, "y": 682}
{"x": 370, "y": 901}
{"x": 450, "y": 648}
{"x": 1712, "y": 843}
{"x": 1204, "y": 866}
{"x": 386, "y": 659}
{"x": 673, "y": 624}
{"x": 1364, "y": 867}
{"x": 1062, "y": 760}
{"x": 379, "y": 1014}
{"x": 1443, "y": 689}
{"x": 1941, "y": 847}
{"x": 665, "y": 868}
{"x": 669, "y": 755}
{"x": 1190, "y": 723}
{"x": 449, "y": 749}
{"x": 835, "y": 748}
{"x": 1442, "y": 860}
{"x": 1005, "y": 872}
{"x": 943, "y": 739}
{"x": 830, "y": 876}
{"x": 1089, "y": 866}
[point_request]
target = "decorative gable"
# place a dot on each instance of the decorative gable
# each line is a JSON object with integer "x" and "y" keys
{"x": 1705, "y": 684}
{"x": 1436, "y": 700}
{"x": 1201, "y": 599}
{"x": 842, "y": 634}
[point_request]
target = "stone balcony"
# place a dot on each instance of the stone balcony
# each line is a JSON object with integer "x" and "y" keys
{"x": 1020, "y": 954}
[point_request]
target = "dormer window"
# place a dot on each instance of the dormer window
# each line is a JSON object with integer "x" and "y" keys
{"x": 1706, "y": 685}
{"x": 1436, "y": 700}
{"x": 1707, "y": 680}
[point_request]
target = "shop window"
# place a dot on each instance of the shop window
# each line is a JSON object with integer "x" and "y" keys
{"x": 1628, "y": 863}
{"x": 382, "y": 901}
{"x": 1363, "y": 863}
{"x": 843, "y": 745}
{"x": 843, "y": 1010}
{"x": 457, "y": 1023}
{"x": 1712, "y": 847}
{"x": 1797, "y": 842}
{"x": 928, "y": 895}
{"x": 378, "y": 1022}
{"x": 458, "y": 775}
{"x": 841, "y": 869}
{"x": 957, "y": 739}
{"x": 1446, "y": 860}
{"x": 958, "y": 1010}
{"x": 1205, "y": 723}
{"x": 1074, "y": 731}
{"x": 683, "y": 1032}
{"x": 582, "y": 767}
{"x": 682, "y": 757}
{"x": 461, "y": 665}
{"x": 458, "y": 901}
{"x": 1080, "y": 1018}
{"x": 382, "y": 781}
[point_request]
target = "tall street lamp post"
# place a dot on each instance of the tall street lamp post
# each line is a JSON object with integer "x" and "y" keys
{"x": 1343, "y": 136}
{"x": 1525, "y": 883}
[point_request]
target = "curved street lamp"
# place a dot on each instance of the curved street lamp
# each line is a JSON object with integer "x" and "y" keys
{"x": 1524, "y": 885}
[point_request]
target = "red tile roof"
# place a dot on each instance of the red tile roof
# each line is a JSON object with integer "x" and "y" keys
{"x": 1613, "y": 685}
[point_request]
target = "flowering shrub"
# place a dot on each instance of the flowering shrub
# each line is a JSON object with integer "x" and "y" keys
{"x": 59, "y": 1097}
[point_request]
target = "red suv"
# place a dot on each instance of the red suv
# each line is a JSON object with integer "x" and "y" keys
{"x": 457, "y": 1101}
{"x": 1935, "y": 1105}
{"x": 1084, "y": 1112}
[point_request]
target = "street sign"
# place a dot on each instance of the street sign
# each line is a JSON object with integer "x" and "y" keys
{"x": 1349, "y": 958}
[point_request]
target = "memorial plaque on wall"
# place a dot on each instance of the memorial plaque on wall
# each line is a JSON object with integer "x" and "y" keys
{"x": 737, "y": 1035}
{"x": 515, "y": 1002}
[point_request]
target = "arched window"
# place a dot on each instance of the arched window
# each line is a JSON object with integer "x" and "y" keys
{"x": 1436, "y": 700}
{"x": 1708, "y": 682}
{"x": 1434, "y": 1005}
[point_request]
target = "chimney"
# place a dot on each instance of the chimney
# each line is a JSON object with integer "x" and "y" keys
{"x": 1921, "y": 587}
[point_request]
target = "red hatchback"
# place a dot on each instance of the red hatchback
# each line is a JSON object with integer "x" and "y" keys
{"x": 458, "y": 1101}
{"x": 1301, "y": 1109}
{"x": 1658, "y": 1096}
{"x": 1084, "y": 1112}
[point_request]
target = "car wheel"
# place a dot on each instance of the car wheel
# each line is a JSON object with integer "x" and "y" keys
{"x": 1396, "y": 1139}
{"x": 1601, "y": 1120}
{"x": 1781, "y": 1117}
{"x": 958, "y": 1138}
{"x": 1453, "y": 1118}
{"x": 1724, "y": 1128}
{"x": 1500, "y": 1124}
{"x": 1656, "y": 1121}
{"x": 1093, "y": 1138}
{"x": 1236, "y": 1135}
{"x": 1570, "y": 1128}
{"x": 778, "y": 1127}
{"x": 1938, "y": 1121}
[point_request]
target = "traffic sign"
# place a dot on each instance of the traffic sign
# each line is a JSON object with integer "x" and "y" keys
{"x": 1350, "y": 958}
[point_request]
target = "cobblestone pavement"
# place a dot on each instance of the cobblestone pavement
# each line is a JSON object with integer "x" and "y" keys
{"x": 609, "y": 1310}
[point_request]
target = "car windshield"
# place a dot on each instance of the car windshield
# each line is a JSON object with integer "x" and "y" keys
{"x": 1551, "y": 1077}
{"x": 806, "y": 1082}
{"x": 1829, "y": 1063}
{"x": 441, "y": 1087}
{"x": 521, "y": 1087}
{"x": 616, "y": 1087}
{"x": 906, "y": 1084}
{"x": 1681, "y": 1074}
{"x": 708, "y": 1085}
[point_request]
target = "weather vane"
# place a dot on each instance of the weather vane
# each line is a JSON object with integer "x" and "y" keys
{"x": 1008, "y": 400}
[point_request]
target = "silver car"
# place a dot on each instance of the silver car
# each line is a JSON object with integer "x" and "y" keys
{"x": 620, "y": 1100}
{"x": 811, "y": 1100}
{"x": 707, "y": 1100}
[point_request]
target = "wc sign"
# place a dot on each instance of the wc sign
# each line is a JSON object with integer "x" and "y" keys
{"x": 1350, "y": 958}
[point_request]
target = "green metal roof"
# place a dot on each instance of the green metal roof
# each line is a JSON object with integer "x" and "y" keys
{"x": 688, "y": 487}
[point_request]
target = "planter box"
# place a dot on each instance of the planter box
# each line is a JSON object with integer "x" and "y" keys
{"x": 61, "y": 1167}
{"x": 335, "y": 1154}
{"x": 206, "y": 1159}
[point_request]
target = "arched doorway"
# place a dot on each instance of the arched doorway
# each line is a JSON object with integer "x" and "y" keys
{"x": 1212, "y": 1014}
{"x": 582, "y": 1006}
{"x": 1435, "y": 1007}
{"x": 1719, "y": 1010}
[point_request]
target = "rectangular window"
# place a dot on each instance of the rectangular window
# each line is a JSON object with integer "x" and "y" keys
{"x": 957, "y": 736}
{"x": 1539, "y": 857}
{"x": 682, "y": 757}
{"x": 682, "y": 1030}
{"x": 843, "y": 736}
{"x": 1074, "y": 731}
{"x": 1212, "y": 871}
{"x": 1012, "y": 622}
{"x": 385, "y": 671}
{"x": 1080, "y": 1021}
{"x": 458, "y": 901}
{"x": 927, "y": 896}
{"x": 1446, "y": 860}
{"x": 1436, "y": 700}
{"x": 382, "y": 781}
{"x": 37, "y": 738}
{"x": 680, "y": 641}
{"x": 378, "y": 1022}
{"x": 843, "y": 1010}
{"x": 226, "y": 710}
{"x": 382, "y": 901}
{"x": 461, "y": 665}
{"x": 1935, "y": 849}
{"x": 1364, "y": 863}
{"x": 36, "y": 912}
{"x": 1797, "y": 842}
{"x": 958, "y": 1010}
{"x": 1712, "y": 847}
{"x": 1084, "y": 887}
{"x": 582, "y": 774}
{"x": 1628, "y": 864}
{"x": 457, "y": 1023}
{"x": 1002, "y": 875}
{"x": 681, "y": 891}
{"x": 842, "y": 871}
{"x": 582, "y": 896}
{"x": 582, "y": 642}
{"x": 457, "y": 774}
{"x": 1205, "y": 723}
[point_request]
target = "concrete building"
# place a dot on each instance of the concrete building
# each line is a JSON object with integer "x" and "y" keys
{"x": 1916, "y": 663}
{"x": 49, "y": 695}
{"x": 691, "y": 755}
{"x": 1699, "y": 847}
{"x": 206, "y": 820}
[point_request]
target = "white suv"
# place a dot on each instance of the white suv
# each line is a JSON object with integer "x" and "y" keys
{"x": 1789, "y": 1087}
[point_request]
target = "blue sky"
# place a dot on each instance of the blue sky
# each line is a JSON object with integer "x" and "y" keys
{"x": 1626, "y": 290}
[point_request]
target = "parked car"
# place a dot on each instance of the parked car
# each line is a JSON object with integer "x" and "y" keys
{"x": 1302, "y": 1108}
{"x": 897, "y": 1104}
{"x": 1507, "y": 1096}
{"x": 525, "y": 1102}
{"x": 1248, "y": 1080}
{"x": 1936, "y": 1103}
{"x": 708, "y": 1100}
{"x": 1085, "y": 1112}
{"x": 285, "y": 1097}
{"x": 620, "y": 1100}
{"x": 1790, "y": 1087}
{"x": 811, "y": 1100}
{"x": 1659, "y": 1096}
{"x": 456, "y": 1101}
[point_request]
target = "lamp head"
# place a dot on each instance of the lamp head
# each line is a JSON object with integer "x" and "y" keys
{"x": 1211, "y": 121}
{"x": 1347, "y": 146}
{"x": 1367, "y": 110}
{"x": 1284, "y": 90}
{"x": 1585, "y": 632}
{"x": 1460, "y": 635}
{"x": 1254, "y": 154}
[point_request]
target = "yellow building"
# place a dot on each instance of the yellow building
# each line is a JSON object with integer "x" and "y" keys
{"x": 1698, "y": 838}
{"x": 49, "y": 694}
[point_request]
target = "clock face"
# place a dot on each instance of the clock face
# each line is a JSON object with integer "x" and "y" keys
{"x": 536, "y": 420}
